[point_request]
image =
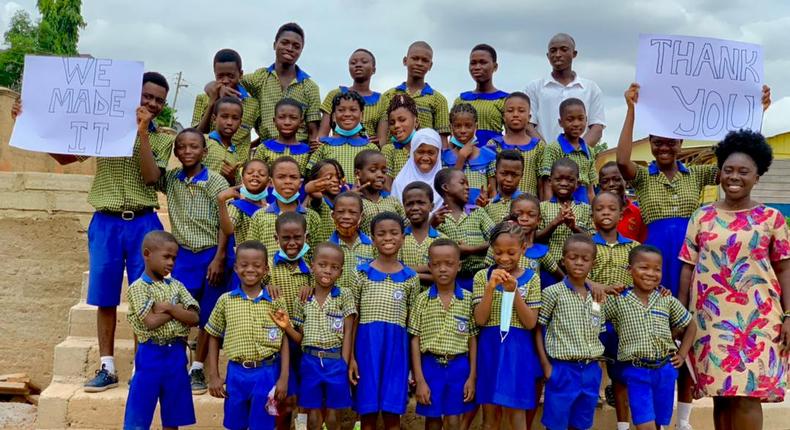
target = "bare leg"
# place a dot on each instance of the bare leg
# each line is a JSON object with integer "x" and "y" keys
{"x": 746, "y": 413}
{"x": 330, "y": 417}
{"x": 201, "y": 350}
{"x": 517, "y": 418}
{"x": 492, "y": 416}
{"x": 105, "y": 325}
{"x": 722, "y": 419}
{"x": 315, "y": 420}
{"x": 468, "y": 418}
{"x": 433, "y": 423}
{"x": 532, "y": 413}
{"x": 391, "y": 421}
{"x": 685, "y": 386}
{"x": 453, "y": 422}
{"x": 621, "y": 402}
{"x": 368, "y": 421}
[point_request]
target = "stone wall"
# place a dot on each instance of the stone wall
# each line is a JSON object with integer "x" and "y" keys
{"x": 43, "y": 225}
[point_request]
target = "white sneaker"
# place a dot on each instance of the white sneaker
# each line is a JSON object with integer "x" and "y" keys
{"x": 683, "y": 425}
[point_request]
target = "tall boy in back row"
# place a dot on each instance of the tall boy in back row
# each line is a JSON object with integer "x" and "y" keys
{"x": 125, "y": 206}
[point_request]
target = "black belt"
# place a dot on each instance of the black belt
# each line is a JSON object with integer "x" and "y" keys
{"x": 128, "y": 215}
{"x": 252, "y": 364}
{"x": 583, "y": 361}
{"x": 444, "y": 358}
{"x": 651, "y": 364}
{"x": 167, "y": 342}
{"x": 323, "y": 353}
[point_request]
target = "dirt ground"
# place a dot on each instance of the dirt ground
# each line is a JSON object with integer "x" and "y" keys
{"x": 18, "y": 416}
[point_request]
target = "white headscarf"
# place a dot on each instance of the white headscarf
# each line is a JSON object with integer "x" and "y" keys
{"x": 411, "y": 173}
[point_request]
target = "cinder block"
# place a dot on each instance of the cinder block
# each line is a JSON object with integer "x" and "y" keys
{"x": 70, "y": 201}
{"x": 27, "y": 200}
{"x": 53, "y": 406}
{"x": 82, "y": 321}
{"x": 59, "y": 182}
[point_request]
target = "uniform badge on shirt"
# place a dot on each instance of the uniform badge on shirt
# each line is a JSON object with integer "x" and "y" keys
{"x": 397, "y": 295}
{"x": 596, "y": 313}
{"x": 337, "y": 323}
{"x": 274, "y": 333}
{"x": 463, "y": 326}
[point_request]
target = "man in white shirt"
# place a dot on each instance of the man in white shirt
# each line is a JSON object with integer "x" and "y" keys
{"x": 547, "y": 93}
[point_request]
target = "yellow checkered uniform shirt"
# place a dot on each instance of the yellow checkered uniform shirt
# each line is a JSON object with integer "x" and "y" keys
{"x": 142, "y": 295}
{"x": 361, "y": 252}
{"x": 499, "y": 206}
{"x": 264, "y": 85}
{"x": 645, "y": 332}
{"x": 385, "y": 297}
{"x": 250, "y": 119}
{"x": 262, "y": 226}
{"x": 573, "y": 324}
{"x": 374, "y": 110}
{"x": 532, "y": 154}
{"x": 472, "y": 228}
{"x": 414, "y": 253}
{"x": 118, "y": 184}
{"x": 241, "y": 212}
{"x": 527, "y": 285}
{"x": 549, "y": 210}
{"x": 432, "y": 110}
{"x": 396, "y": 158}
{"x": 246, "y": 325}
{"x": 443, "y": 331}
{"x": 192, "y": 206}
{"x": 270, "y": 150}
{"x": 582, "y": 156}
{"x": 217, "y": 153}
{"x": 343, "y": 150}
{"x": 490, "y": 109}
{"x": 370, "y": 209}
{"x": 660, "y": 198}
{"x": 536, "y": 258}
{"x": 322, "y": 325}
{"x": 289, "y": 277}
{"x": 611, "y": 260}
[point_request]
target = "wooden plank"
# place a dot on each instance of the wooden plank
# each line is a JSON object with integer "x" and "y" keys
{"x": 11, "y": 376}
{"x": 14, "y": 388}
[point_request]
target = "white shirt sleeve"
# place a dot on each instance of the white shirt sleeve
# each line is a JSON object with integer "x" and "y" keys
{"x": 532, "y": 90}
{"x": 595, "y": 112}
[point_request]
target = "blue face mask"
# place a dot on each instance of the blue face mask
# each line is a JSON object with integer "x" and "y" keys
{"x": 282, "y": 199}
{"x": 348, "y": 133}
{"x": 506, "y": 313}
{"x": 301, "y": 254}
{"x": 254, "y": 197}
{"x": 405, "y": 142}
{"x": 456, "y": 142}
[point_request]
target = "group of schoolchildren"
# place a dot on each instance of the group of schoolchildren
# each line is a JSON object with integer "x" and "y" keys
{"x": 414, "y": 247}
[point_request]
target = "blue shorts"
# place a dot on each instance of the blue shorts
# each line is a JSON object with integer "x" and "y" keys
{"x": 507, "y": 370}
{"x": 324, "y": 385}
{"x": 248, "y": 392}
{"x": 580, "y": 195}
{"x": 571, "y": 395}
{"x": 668, "y": 235}
{"x": 191, "y": 269}
{"x": 446, "y": 382}
{"x": 651, "y": 393}
{"x": 382, "y": 355}
{"x": 115, "y": 245}
{"x": 609, "y": 339}
{"x": 160, "y": 375}
{"x": 295, "y": 353}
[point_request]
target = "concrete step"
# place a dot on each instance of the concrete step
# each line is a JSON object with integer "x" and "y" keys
{"x": 77, "y": 359}
{"x": 82, "y": 321}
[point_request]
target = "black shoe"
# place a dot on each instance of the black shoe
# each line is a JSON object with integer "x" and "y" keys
{"x": 609, "y": 393}
{"x": 198, "y": 382}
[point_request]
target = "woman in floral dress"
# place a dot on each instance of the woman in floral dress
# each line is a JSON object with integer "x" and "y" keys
{"x": 736, "y": 280}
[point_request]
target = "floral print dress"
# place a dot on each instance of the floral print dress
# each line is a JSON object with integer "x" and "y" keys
{"x": 737, "y": 301}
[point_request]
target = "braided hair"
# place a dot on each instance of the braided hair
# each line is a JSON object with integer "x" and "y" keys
{"x": 348, "y": 95}
{"x": 402, "y": 101}
{"x": 462, "y": 108}
{"x": 509, "y": 228}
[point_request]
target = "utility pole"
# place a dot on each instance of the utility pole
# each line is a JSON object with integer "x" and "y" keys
{"x": 179, "y": 85}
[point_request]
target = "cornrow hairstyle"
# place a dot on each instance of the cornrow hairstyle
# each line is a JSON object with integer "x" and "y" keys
{"x": 372, "y": 57}
{"x": 384, "y": 216}
{"x": 570, "y": 102}
{"x": 443, "y": 177}
{"x": 525, "y": 197}
{"x": 228, "y": 100}
{"x": 463, "y": 108}
{"x": 253, "y": 245}
{"x": 510, "y": 155}
{"x": 746, "y": 142}
{"x": 228, "y": 56}
{"x": 402, "y": 101}
{"x": 642, "y": 249}
{"x": 315, "y": 173}
{"x": 156, "y": 78}
{"x": 155, "y": 238}
{"x": 253, "y": 161}
{"x": 348, "y": 95}
{"x": 290, "y": 26}
{"x": 290, "y": 218}
{"x": 509, "y": 228}
{"x": 565, "y": 162}
{"x": 282, "y": 160}
{"x": 328, "y": 245}
{"x": 443, "y": 241}
{"x": 602, "y": 194}
{"x": 363, "y": 158}
{"x": 487, "y": 48}
{"x": 578, "y": 238}
{"x": 422, "y": 186}
{"x": 350, "y": 195}
{"x": 191, "y": 130}
{"x": 289, "y": 102}
{"x": 518, "y": 95}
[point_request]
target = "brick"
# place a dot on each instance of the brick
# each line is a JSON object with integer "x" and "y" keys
{"x": 55, "y": 181}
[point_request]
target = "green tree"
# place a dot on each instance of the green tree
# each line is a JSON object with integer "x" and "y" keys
{"x": 20, "y": 39}
{"x": 166, "y": 117}
{"x": 59, "y": 29}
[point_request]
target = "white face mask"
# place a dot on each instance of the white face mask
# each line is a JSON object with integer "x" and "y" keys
{"x": 506, "y": 313}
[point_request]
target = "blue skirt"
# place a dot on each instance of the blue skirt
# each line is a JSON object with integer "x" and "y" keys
{"x": 382, "y": 354}
{"x": 507, "y": 371}
{"x": 668, "y": 235}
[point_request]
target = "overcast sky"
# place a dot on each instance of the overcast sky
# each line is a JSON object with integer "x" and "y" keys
{"x": 175, "y": 36}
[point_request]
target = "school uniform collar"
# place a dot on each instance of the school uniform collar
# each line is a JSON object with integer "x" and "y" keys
{"x": 568, "y": 284}
{"x": 369, "y": 100}
{"x": 402, "y": 275}
{"x": 498, "y": 196}
{"x": 301, "y": 75}
{"x": 629, "y": 292}
{"x": 329, "y": 203}
{"x": 433, "y": 292}
{"x": 568, "y": 148}
{"x": 537, "y": 250}
{"x": 275, "y": 146}
{"x": 200, "y": 177}
{"x": 433, "y": 234}
{"x": 245, "y": 206}
{"x": 426, "y": 90}
{"x": 240, "y": 293}
{"x": 279, "y": 259}
{"x": 243, "y": 93}
{"x": 152, "y": 128}
{"x": 599, "y": 240}
{"x": 553, "y": 199}
{"x": 147, "y": 279}
{"x": 500, "y": 140}
{"x": 361, "y": 237}
{"x": 652, "y": 168}
{"x": 469, "y": 96}
{"x": 469, "y": 207}
{"x": 214, "y": 135}
{"x": 342, "y": 140}
{"x": 576, "y": 82}
{"x": 521, "y": 280}
{"x": 274, "y": 208}
{"x": 333, "y": 293}
{"x": 483, "y": 159}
